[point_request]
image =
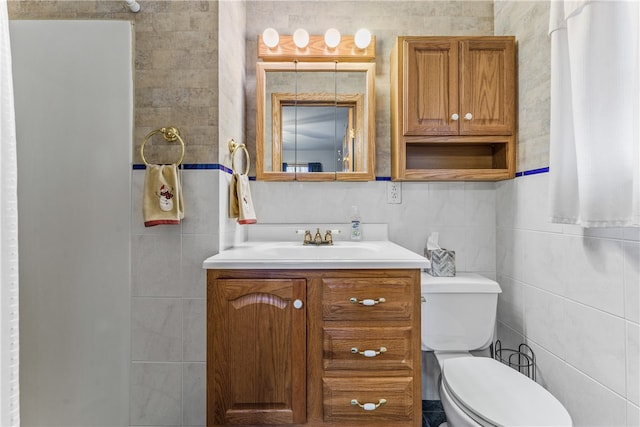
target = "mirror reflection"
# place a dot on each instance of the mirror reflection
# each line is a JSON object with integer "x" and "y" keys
{"x": 319, "y": 132}
{"x": 310, "y": 137}
{"x": 315, "y": 121}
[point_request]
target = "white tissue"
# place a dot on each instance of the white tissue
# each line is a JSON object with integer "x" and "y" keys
{"x": 432, "y": 241}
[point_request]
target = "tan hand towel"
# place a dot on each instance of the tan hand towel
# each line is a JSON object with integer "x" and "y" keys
{"x": 234, "y": 207}
{"x": 162, "y": 200}
{"x": 240, "y": 202}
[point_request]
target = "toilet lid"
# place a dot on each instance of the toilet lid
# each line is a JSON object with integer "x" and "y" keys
{"x": 501, "y": 395}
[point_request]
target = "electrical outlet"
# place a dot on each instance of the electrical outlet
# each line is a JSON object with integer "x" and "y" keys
{"x": 394, "y": 192}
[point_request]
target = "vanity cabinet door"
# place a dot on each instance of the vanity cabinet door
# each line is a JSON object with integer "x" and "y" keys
{"x": 487, "y": 87}
{"x": 256, "y": 351}
{"x": 431, "y": 87}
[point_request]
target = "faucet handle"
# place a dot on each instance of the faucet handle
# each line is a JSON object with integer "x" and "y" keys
{"x": 307, "y": 236}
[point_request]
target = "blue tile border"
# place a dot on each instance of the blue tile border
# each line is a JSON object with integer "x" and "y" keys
{"x": 533, "y": 172}
{"x": 216, "y": 166}
{"x": 193, "y": 166}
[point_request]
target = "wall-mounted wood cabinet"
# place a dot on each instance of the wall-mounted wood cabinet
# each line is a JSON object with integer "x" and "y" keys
{"x": 453, "y": 108}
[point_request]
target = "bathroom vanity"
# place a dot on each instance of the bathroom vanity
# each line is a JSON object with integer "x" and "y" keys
{"x": 313, "y": 336}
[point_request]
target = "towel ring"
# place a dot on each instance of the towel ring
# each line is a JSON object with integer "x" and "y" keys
{"x": 234, "y": 147}
{"x": 171, "y": 134}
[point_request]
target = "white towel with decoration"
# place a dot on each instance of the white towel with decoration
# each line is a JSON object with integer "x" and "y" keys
{"x": 162, "y": 200}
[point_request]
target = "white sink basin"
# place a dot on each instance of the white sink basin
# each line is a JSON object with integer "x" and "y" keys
{"x": 295, "y": 255}
{"x": 339, "y": 250}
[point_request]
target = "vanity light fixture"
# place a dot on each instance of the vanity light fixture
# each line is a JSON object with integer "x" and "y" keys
{"x": 330, "y": 46}
{"x": 332, "y": 38}
{"x": 270, "y": 37}
{"x": 301, "y": 38}
{"x": 362, "y": 38}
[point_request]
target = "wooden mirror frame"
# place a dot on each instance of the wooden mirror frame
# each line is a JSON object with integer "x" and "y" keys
{"x": 368, "y": 105}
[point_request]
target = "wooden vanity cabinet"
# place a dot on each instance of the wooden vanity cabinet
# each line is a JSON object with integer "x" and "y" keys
{"x": 453, "y": 112}
{"x": 313, "y": 348}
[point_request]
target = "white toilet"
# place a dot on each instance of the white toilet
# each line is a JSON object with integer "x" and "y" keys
{"x": 458, "y": 316}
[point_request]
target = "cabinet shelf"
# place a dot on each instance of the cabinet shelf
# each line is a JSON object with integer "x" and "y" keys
{"x": 471, "y": 159}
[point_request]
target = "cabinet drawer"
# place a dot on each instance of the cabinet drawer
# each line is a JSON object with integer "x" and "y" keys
{"x": 383, "y": 348}
{"x": 396, "y": 393}
{"x": 367, "y": 298}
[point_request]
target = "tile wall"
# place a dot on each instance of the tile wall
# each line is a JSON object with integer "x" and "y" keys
{"x": 169, "y": 306}
{"x": 176, "y": 67}
{"x": 571, "y": 293}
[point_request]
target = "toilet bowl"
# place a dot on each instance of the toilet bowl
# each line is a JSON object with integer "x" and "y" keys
{"x": 480, "y": 391}
{"x": 458, "y": 316}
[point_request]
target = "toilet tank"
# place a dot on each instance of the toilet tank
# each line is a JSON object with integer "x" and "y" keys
{"x": 458, "y": 313}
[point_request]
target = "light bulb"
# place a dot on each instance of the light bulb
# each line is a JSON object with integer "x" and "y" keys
{"x": 332, "y": 38}
{"x": 363, "y": 38}
{"x": 133, "y": 6}
{"x": 270, "y": 37}
{"x": 301, "y": 38}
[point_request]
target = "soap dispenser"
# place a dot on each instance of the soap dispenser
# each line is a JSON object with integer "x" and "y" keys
{"x": 356, "y": 230}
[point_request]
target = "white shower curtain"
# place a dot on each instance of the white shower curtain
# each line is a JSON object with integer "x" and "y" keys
{"x": 595, "y": 113}
{"x": 9, "y": 384}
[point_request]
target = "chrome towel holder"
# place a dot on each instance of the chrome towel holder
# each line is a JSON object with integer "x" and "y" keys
{"x": 170, "y": 134}
{"x": 233, "y": 148}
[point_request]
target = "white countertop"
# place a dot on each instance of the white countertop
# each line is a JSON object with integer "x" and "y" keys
{"x": 295, "y": 255}
{"x": 279, "y": 246}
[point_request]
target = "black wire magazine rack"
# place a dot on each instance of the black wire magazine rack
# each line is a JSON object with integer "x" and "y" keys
{"x": 522, "y": 360}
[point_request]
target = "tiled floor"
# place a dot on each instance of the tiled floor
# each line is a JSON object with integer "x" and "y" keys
{"x": 432, "y": 413}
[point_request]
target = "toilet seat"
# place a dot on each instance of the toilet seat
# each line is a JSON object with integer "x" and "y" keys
{"x": 494, "y": 394}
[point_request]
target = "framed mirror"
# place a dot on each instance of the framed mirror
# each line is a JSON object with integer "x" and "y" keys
{"x": 315, "y": 121}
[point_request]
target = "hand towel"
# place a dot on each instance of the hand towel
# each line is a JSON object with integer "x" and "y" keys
{"x": 234, "y": 207}
{"x": 162, "y": 200}
{"x": 240, "y": 202}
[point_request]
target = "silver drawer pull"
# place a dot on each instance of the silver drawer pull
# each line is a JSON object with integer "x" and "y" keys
{"x": 368, "y": 406}
{"x": 369, "y": 353}
{"x": 367, "y": 302}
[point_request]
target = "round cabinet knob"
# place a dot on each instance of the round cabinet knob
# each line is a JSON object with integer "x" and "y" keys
{"x": 297, "y": 304}
{"x": 455, "y": 116}
{"x": 468, "y": 116}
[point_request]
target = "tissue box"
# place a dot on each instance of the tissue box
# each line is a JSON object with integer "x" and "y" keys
{"x": 443, "y": 262}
